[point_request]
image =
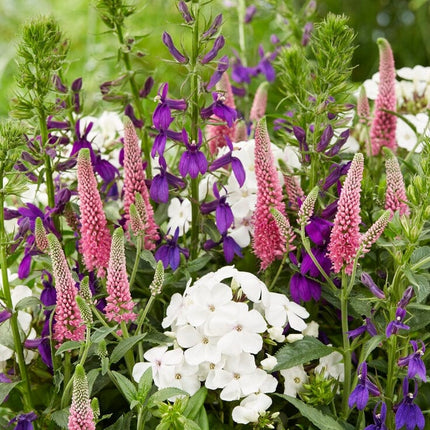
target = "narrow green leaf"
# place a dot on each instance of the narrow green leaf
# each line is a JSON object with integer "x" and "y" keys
{"x": 91, "y": 378}
{"x": 301, "y": 352}
{"x": 190, "y": 425}
{"x": 27, "y": 302}
{"x": 68, "y": 346}
{"x": 125, "y": 386}
{"x": 6, "y": 388}
{"x": 371, "y": 344}
{"x": 195, "y": 402}
{"x": 100, "y": 333}
{"x": 199, "y": 263}
{"x": 202, "y": 419}
{"x": 315, "y": 416}
{"x": 145, "y": 384}
{"x": 164, "y": 394}
{"x": 124, "y": 346}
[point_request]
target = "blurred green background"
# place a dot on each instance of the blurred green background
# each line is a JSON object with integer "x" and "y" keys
{"x": 404, "y": 23}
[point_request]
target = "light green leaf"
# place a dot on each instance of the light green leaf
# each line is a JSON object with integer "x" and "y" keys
{"x": 195, "y": 402}
{"x": 164, "y": 394}
{"x": 61, "y": 418}
{"x": 68, "y": 346}
{"x": 371, "y": 344}
{"x": 301, "y": 352}
{"x": 420, "y": 258}
{"x": 124, "y": 346}
{"x": 125, "y": 386}
{"x": 100, "y": 333}
{"x": 6, "y": 388}
{"x": 145, "y": 384}
{"x": 27, "y": 302}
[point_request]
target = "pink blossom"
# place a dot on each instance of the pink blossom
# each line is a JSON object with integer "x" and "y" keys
{"x": 268, "y": 242}
{"x": 383, "y": 129}
{"x": 216, "y": 134}
{"x": 375, "y": 231}
{"x": 95, "y": 235}
{"x": 134, "y": 182}
{"x": 395, "y": 195}
{"x": 294, "y": 191}
{"x": 345, "y": 235}
{"x": 119, "y": 303}
{"x": 81, "y": 415}
{"x": 68, "y": 320}
{"x": 259, "y": 104}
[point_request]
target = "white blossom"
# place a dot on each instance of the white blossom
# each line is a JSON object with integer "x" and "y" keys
{"x": 179, "y": 213}
{"x": 294, "y": 378}
{"x": 332, "y": 366}
{"x": 250, "y": 408}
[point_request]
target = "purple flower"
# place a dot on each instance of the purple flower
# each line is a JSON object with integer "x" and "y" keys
{"x": 192, "y": 160}
{"x": 163, "y": 100}
{"x": 249, "y": 13}
{"x": 236, "y": 164}
{"x": 408, "y": 413}
{"x": 367, "y": 326}
{"x": 360, "y": 394}
{"x": 219, "y": 109}
{"x": 406, "y": 297}
{"x": 325, "y": 139}
{"x": 218, "y": 45}
{"x": 230, "y": 247}
{"x": 59, "y": 84}
{"x": 378, "y": 418}
{"x": 338, "y": 144}
{"x": 221, "y": 68}
{"x": 319, "y": 230}
{"x": 394, "y": 326}
{"x": 129, "y": 111}
{"x": 223, "y": 213}
{"x": 24, "y": 421}
{"x": 336, "y": 172}
{"x": 265, "y": 66}
{"x": 307, "y": 30}
{"x": 213, "y": 28}
{"x": 169, "y": 253}
{"x": 183, "y": 8}
{"x": 82, "y": 141}
{"x": 167, "y": 40}
{"x": 415, "y": 362}
{"x": 367, "y": 280}
{"x": 304, "y": 288}
{"x": 147, "y": 87}
{"x": 308, "y": 267}
{"x": 159, "y": 190}
{"x": 300, "y": 135}
{"x": 5, "y": 315}
{"x": 241, "y": 73}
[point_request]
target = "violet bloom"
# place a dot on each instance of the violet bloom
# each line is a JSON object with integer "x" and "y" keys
{"x": 183, "y": 8}
{"x": 406, "y": 297}
{"x": 408, "y": 413}
{"x": 360, "y": 394}
{"x": 159, "y": 191}
{"x": 219, "y": 109}
{"x": 24, "y": 421}
{"x": 169, "y": 253}
{"x": 76, "y": 88}
{"x": 216, "y": 76}
{"x": 193, "y": 161}
{"x": 129, "y": 111}
{"x": 265, "y": 66}
{"x": 213, "y": 28}
{"x": 147, "y": 87}
{"x": 218, "y": 45}
{"x": 223, "y": 213}
{"x": 249, "y": 13}
{"x": 300, "y": 135}
{"x": 303, "y": 288}
{"x": 394, "y": 326}
{"x": 325, "y": 139}
{"x": 307, "y": 30}
{"x": 415, "y": 362}
{"x": 334, "y": 150}
{"x": 230, "y": 247}
{"x": 367, "y": 280}
{"x": 236, "y": 164}
{"x": 163, "y": 100}
{"x": 167, "y": 40}
{"x": 367, "y": 326}
{"x": 378, "y": 418}
{"x": 336, "y": 172}
{"x": 319, "y": 230}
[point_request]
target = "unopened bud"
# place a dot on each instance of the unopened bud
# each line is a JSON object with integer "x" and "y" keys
{"x": 284, "y": 227}
{"x": 157, "y": 282}
{"x": 418, "y": 184}
{"x": 307, "y": 208}
{"x": 84, "y": 290}
{"x": 40, "y": 235}
{"x": 85, "y": 310}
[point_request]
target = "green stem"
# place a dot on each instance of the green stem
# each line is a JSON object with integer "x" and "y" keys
{"x": 129, "y": 357}
{"x": 389, "y": 389}
{"x": 346, "y": 346}
{"x": 18, "y": 342}
{"x": 241, "y": 10}
{"x": 281, "y": 266}
{"x": 141, "y": 321}
{"x": 67, "y": 366}
{"x": 101, "y": 319}
{"x": 136, "y": 261}
{"x": 136, "y": 97}
{"x": 141, "y": 418}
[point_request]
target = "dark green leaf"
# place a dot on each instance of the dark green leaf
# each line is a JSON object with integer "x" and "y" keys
{"x": 68, "y": 346}
{"x": 420, "y": 282}
{"x": 420, "y": 258}
{"x": 371, "y": 344}
{"x": 6, "y": 388}
{"x": 315, "y": 416}
{"x": 123, "y": 423}
{"x": 301, "y": 352}
{"x": 164, "y": 394}
{"x": 195, "y": 402}
{"x": 145, "y": 384}
{"x": 124, "y": 346}
{"x": 199, "y": 263}
{"x": 91, "y": 377}
{"x": 100, "y": 333}
{"x": 61, "y": 418}
{"x": 125, "y": 386}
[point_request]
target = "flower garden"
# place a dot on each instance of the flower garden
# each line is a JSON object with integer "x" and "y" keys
{"x": 242, "y": 244}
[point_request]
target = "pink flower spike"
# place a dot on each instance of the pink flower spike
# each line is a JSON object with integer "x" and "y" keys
{"x": 95, "y": 235}
{"x": 294, "y": 191}
{"x": 268, "y": 242}
{"x": 40, "y": 235}
{"x": 383, "y": 128}
{"x": 374, "y": 232}
{"x": 134, "y": 182}
{"x": 119, "y": 303}
{"x": 363, "y": 109}
{"x": 259, "y": 104}
{"x": 216, "y": 134}
{"x": 395, "y": 195}
{"x": 68, "y": 320}
{"x": 345, "y": 235}
{"x": 81, "y": 415}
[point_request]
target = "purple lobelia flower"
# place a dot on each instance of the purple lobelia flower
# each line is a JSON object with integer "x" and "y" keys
{"x": 406, "y": 297}
{"x": 147, "y": 87}
{"x": 213, "y": 28}
{"x": 24, "y": 421}
{"x": 367, "y": 326}
{"x": 249, "y": 13}
{"x": 223, "y": 213}
{"x": 303, "y": 288}
{"x": 334, "y": 150}
{"x": 408, "y": 413}
{"x": 218, "y": 108}
{"x": 319, "y": 230}
{"x": 193, "y": 161}
{"x": 414, "y": 361}
{"x": 163, "y": 100}
{"x": 183, "y": 8}
{"x": 76, "y": 88}
{"x": 300, "y": 135}
{"x": 336, "y": 172}
{"x": 265, "y": 66}
{"x": 230, "y": 247}
{"x": 159, "y": 191}
{"x": 222, "y": 66}
{"x": 378, "y": 418}
{"x": 367, "y": 280}
{"x": 360, "y": 394}
{"x": 167, "y": 40}
{"x": 5, "y": 315}
{"x": 218, "y": 45}
{"x": 394, "y": 326}
{"x": 307, "y": 31}
{"x": 325, "y": 139}
{"x": 129, "y": 111}
{"x": 236, "y": 164}
{"x": 169, "y": 253}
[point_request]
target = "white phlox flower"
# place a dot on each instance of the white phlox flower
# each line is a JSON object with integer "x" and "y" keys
{"x": 250, "y": 408}
{"x": 312, "y": 329}
{"x": 183, "y": 376}
{"x": 332, "y": 366}
{"x": 269, "y": 362}
{"x": 179, "y": 213}
{"x": 294, "y": 378}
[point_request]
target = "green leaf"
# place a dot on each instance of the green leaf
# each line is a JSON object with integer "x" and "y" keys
{"x": 68, "y": 346}
{"x": 100, "y": 333}
{"x": 195, "y": 402}
{"x": 125, "y": 386}
{"x": 301, "y": 352}
{"x": 164, "y": 394}
{"x": 421, "y": 284}
{"x": 123, "y": 423}
{"x": 370, "y": 345}
{"x": 190, "y": 425}
{"x": 124, "y": 346}
{"x": 202, "y": 419}
{"x": 27, "y": 302}
{"x": 91, "y": 378}
{"x": 145, "y": 384}
{"x": 199, "y": 263}
{"x": 61, "y": 418}
{"x": 6, "y": 388}
{"x": 314, "y": 415}
{"x": 149, "y": 257}
{"x": 420, "y": 258}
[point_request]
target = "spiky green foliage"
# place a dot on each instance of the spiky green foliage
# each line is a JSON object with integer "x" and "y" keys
{"x": 12, "y": 142}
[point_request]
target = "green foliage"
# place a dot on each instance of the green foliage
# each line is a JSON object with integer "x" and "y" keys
{"x": 12, "y": 142}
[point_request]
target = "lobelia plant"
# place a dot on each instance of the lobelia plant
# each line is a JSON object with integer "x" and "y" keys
{"x": 209, "y": 261}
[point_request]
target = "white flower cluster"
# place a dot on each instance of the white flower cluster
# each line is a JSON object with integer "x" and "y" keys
{"x": 413, "y": 98}
{"x": 219, "y": 328}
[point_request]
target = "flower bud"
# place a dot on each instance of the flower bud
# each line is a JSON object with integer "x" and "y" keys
{"x": 218, "y": 44}
{"x": 84, "y": 290}
{"x": 167, "y": 40}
